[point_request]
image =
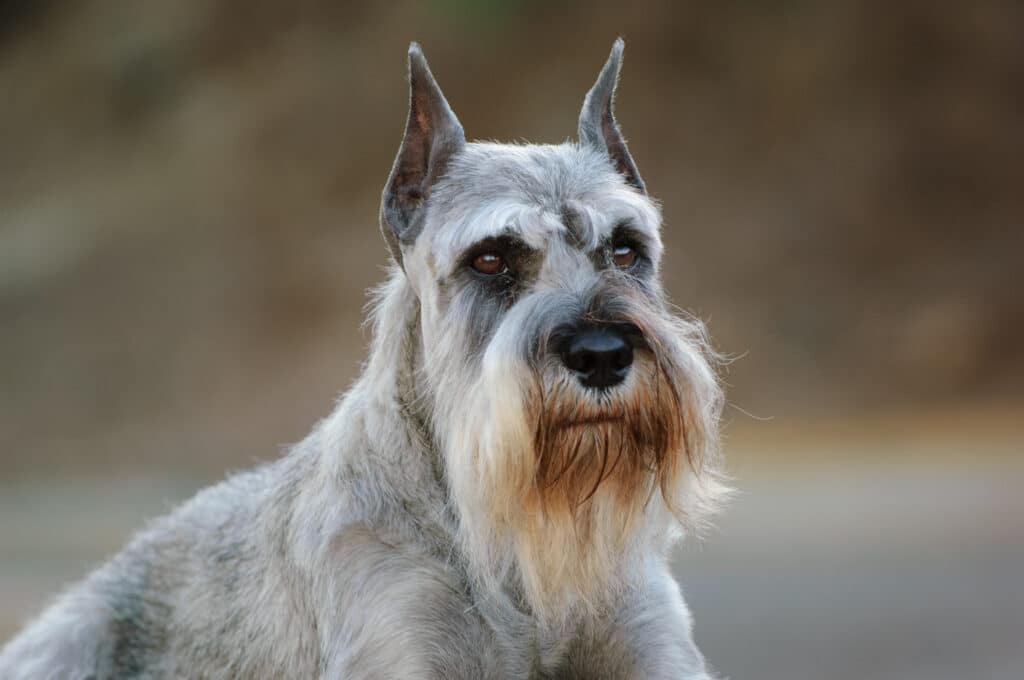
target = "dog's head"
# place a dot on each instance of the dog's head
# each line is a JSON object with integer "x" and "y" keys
{"x": 576, "y": 413}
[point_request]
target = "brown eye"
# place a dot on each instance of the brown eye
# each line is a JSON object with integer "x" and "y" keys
{"x": 624, "y": 257}
{"x": 490, "y": 264}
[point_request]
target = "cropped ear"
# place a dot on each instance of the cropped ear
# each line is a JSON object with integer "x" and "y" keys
{"x": 598, "y": 128}
{"x": 432, "y": 136}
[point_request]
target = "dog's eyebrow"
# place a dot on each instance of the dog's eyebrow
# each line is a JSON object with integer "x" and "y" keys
{"x": 626, "y": 229}
{"x": 511, "y": 236}
{"x": 576, "y": 223}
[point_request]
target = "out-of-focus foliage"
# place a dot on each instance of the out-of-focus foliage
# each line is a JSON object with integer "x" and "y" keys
{"x": 188, "y": 197}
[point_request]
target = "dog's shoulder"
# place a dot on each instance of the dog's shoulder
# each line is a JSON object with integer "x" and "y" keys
{"x": 180, "y": 592}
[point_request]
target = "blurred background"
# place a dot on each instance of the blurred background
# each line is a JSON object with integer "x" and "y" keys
{"x": 188, "y": 225}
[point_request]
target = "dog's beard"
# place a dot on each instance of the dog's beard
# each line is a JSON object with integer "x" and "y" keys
{"x": 569, "y": 489}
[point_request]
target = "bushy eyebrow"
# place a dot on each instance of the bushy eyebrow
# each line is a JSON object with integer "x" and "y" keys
{"x": 516, "y": 220}
{"x": 585, "y": 226}
{"x": 626, "y": 230}
{"x": 576, "y": 223}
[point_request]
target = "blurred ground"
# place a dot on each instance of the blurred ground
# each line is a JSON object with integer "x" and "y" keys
{"x": 903, "y": 565}
{"x": 881, "y": 554}
{"x": 188, "y": 202}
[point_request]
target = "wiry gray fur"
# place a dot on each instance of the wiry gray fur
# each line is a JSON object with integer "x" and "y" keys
{"x": 390, "y": 543}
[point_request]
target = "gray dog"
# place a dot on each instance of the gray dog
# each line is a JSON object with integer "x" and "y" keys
{"x": 495, "y": 497}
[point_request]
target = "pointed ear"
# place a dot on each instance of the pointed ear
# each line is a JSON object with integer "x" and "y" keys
{"x": 598, "y": 128}
{"x": 432, "y": 136}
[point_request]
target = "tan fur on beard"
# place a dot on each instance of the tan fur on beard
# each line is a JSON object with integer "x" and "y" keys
{"x": 597, "y": 468}
{"x": 571, "y": 489}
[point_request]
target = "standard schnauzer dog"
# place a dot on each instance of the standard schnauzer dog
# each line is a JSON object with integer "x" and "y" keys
{"x": 495, "y": 497}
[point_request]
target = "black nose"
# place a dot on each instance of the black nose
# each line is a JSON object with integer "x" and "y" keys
{"x": 600, "y": 356}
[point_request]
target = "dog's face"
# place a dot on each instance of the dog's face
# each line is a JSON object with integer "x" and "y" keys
{"x": 576, "y": 413}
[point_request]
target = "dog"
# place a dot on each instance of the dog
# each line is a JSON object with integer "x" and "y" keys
{"x": 495, "y": 497}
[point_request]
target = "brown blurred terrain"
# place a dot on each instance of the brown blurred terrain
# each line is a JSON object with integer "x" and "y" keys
{"x": 188, "y": 201}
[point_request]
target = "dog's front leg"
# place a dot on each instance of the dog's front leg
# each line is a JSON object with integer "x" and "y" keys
{"x": 389, "y": 610}
{"x": 650, "y": 639}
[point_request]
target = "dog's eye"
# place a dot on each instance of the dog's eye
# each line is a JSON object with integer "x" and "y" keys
{"x": 623, "y": 256}
{"x": 491, "y": 264}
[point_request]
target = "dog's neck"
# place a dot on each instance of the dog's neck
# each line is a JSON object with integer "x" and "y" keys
{"x": 394, "y": 366}
{"x": 392, "y": 400}
{"x": 394, "y": 371}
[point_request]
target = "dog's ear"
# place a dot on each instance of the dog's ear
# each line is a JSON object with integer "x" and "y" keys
{"x": 432, "y": 136}
{"x": 598, "y": 128}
